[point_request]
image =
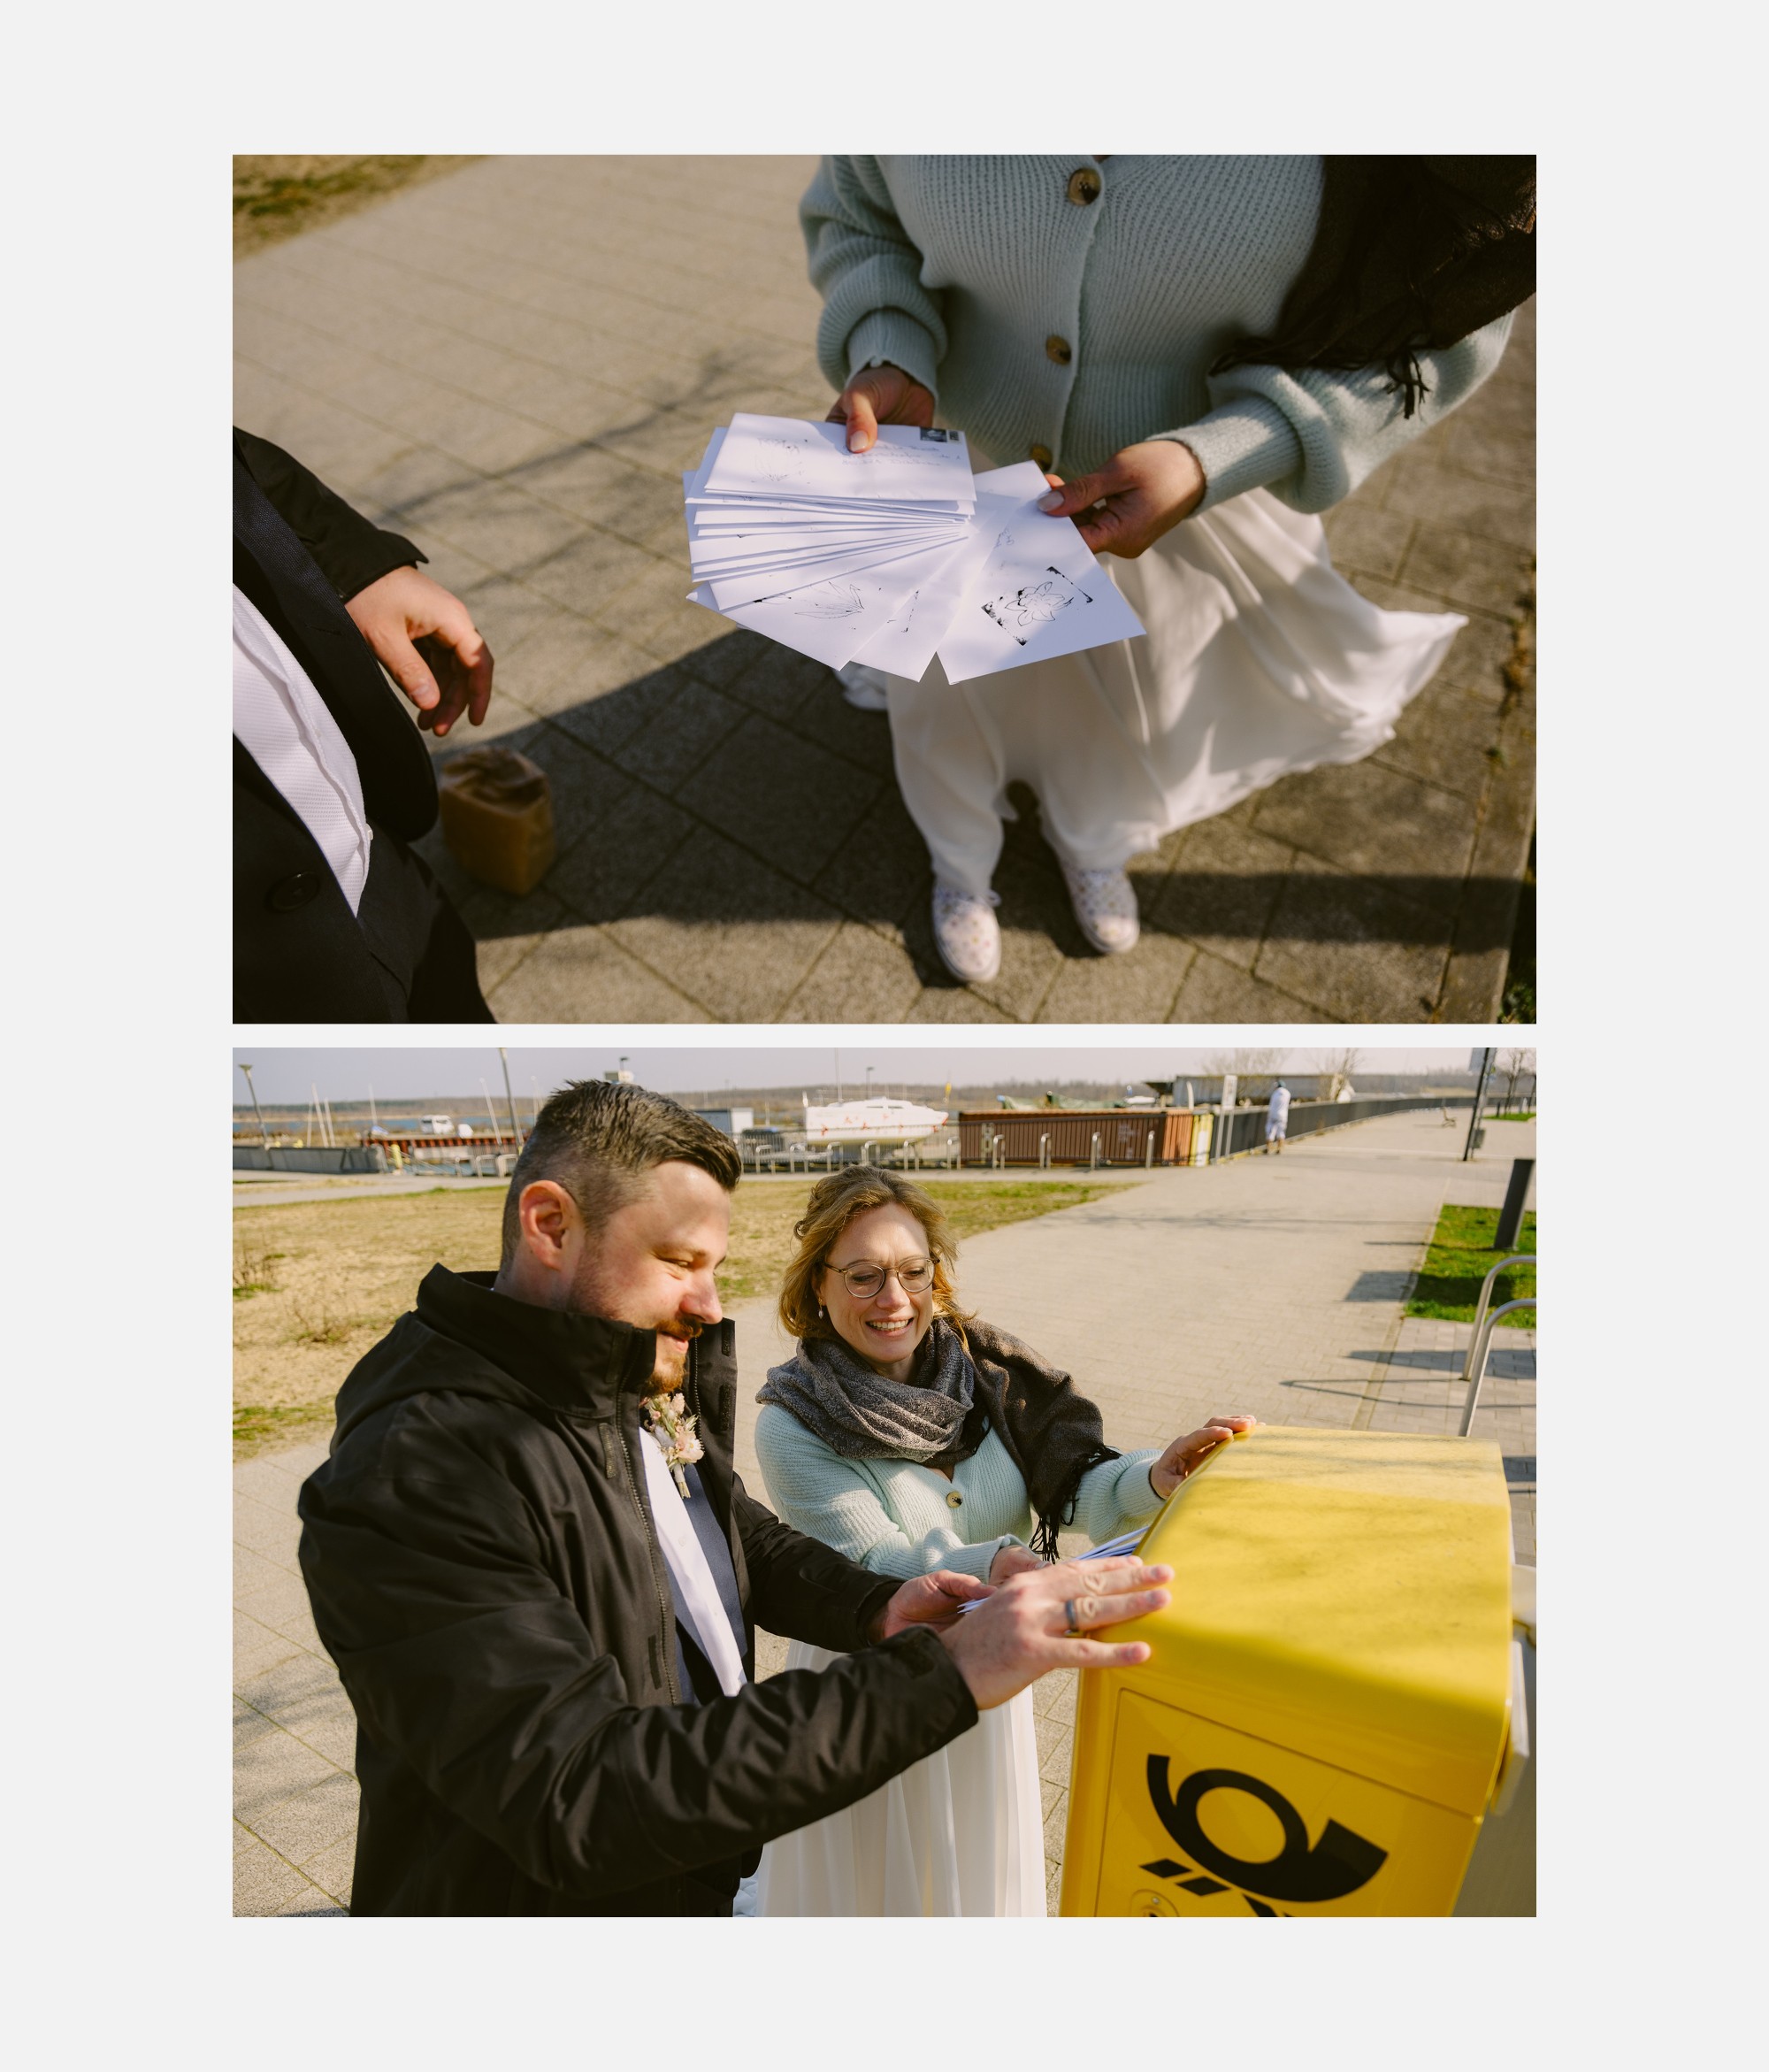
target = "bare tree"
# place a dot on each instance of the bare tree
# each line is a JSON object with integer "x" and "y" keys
{"x": 1513, "y": 1067}
{"x": 1335, "y": 1069}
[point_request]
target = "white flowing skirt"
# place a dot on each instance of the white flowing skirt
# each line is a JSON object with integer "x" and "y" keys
{"x": 1261, "y": 659}
{"x": 960, "y": 1833}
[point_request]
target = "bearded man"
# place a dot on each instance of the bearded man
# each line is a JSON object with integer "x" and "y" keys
{"x": 539, "y": 1574}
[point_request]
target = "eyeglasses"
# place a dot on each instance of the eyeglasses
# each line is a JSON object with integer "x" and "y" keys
{"x": 864, "y": 1280}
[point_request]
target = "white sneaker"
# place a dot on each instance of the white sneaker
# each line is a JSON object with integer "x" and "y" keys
{"x": 967, "y": 933}
{"x": 1104, "y": 904}
{"x": 863, "y": 687}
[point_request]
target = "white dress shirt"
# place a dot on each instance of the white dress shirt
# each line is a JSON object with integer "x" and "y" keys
{"x": 691, "y": 1579}
{"x": 293, "y": 738}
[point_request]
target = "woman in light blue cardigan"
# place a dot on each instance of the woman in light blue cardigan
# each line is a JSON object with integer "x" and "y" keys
{"x": 912, "y": 1437}
{"x": 1095, "y": 315}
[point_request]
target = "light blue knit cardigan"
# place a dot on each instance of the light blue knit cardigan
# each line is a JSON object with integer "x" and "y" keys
{"x": 904, "y": 1520}
{"x": 974, "y": 273}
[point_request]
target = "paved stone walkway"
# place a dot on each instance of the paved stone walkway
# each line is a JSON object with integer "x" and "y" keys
{"x": 1269, "y": 1286}
{"x": 512, "y": 364}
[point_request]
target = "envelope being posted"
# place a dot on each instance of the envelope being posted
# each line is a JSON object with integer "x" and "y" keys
{"x": 1041, "y": 594}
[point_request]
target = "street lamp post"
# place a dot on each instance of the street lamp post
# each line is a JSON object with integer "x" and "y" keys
{"x": 1480, "y": 1085}
{"x": 264, "y": 1134}
{"x": 514, "y": 1127}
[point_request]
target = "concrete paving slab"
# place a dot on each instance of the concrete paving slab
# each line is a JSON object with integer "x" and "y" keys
{"x": 263, "y": 1883}
{"x": 312, "y": 1820}
{"x": 331, "y": 1869}
{"x": 511, "y": 363}
{"x": 271, "y": 1769}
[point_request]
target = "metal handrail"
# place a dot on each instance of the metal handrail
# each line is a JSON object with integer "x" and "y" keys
{"x": 1516, "y": 1259}
{"x": 1481, "y": 1350}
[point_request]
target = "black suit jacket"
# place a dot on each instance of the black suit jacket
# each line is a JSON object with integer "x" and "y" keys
{"x": 484, "y": 1569}
{"x": 299, "y": 550}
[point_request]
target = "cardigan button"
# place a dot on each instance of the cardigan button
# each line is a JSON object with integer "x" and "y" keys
{"x": 290, "y": 894}
{"x": 1059, "y": 350}
{"x": 1042, "y": 455}
{"x": 1083, "y": 185}
{"x": 953, "y": 1499}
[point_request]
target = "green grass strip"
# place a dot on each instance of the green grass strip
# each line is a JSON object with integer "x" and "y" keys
{"x": 1460, "y": 1257}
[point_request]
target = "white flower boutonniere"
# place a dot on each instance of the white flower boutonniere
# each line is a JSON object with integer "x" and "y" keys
{"x": 670, "y": 1418}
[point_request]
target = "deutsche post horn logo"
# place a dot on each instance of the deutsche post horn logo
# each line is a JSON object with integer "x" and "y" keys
{"x": 1338, "y": 1864}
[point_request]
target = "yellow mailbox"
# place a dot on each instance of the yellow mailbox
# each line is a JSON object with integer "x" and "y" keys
{"x": 1327, "y": 1711}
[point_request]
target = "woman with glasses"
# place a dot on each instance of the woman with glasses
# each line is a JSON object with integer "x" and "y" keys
{"x": 911, "y": 1437}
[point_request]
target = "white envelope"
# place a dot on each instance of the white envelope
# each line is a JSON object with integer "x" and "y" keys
{"x": 793, "y": 456}
{"x": 906, "y": 644}
{"x": 1040, "y": 594}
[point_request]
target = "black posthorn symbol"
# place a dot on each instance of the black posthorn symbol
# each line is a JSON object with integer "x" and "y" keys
{"x": 1338, "y": 1864}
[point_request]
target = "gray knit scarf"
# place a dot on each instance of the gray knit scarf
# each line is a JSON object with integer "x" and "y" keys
{"x": 862, "y": 1415}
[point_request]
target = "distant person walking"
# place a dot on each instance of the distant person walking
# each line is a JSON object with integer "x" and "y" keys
{"x": 1212, "y": 350}
{"x": 1277, "y": 1118}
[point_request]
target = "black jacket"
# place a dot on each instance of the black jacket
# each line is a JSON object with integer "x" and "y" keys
{"x": 299, "y": 551}
{"x": 483, "y": 1568}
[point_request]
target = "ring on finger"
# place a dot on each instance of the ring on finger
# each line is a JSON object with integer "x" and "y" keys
{"x": 1068, "y": 1614}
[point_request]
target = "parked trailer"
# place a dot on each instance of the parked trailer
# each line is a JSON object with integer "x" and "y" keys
{"x": 309, "y": 1158}
{"x": 1066, "y": 1136}
{"x": 474, "y": 1143}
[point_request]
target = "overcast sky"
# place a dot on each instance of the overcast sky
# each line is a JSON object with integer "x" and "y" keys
{"x": 346, "y": 1074}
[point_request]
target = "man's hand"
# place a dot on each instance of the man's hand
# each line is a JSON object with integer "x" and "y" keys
{"x": 425, "y": 640}
{"x": 927, "y": 1601}
{"x": 1186, "y": 1453}
{"x": 1026, "y": 1626}
{"x": 1141, "y": 493}
{"x": 879, "y": 395}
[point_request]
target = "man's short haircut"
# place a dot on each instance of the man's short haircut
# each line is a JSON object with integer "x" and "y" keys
{"x": 598, "y": 1139}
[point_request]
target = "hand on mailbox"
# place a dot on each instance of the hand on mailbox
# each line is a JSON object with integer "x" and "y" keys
{"x": 1186, "y": 1453}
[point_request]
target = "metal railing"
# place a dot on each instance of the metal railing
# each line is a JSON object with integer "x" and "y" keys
{"x": 1244, "y": 1129}
{"x": 1480, "y": 1346}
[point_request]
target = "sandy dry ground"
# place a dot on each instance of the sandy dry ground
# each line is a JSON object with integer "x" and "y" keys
{"x": 277, "y": 197}
{"x": 317, "y": 1282}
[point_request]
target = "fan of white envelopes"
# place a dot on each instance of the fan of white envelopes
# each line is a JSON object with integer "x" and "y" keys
{"x": 892, "y": 555}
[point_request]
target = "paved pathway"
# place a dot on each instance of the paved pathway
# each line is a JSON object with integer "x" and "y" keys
{"x": 1271, "y": 1285}
{"x": 512, "y": 364}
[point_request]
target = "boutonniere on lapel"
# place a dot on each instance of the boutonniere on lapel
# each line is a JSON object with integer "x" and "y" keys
{"x": 671, "y": 1419}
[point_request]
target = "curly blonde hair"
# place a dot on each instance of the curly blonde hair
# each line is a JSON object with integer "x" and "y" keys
{"x": 836, "y": 1198}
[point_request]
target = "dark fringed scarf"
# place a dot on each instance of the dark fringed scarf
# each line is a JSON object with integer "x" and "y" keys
{"x": 1410, "y": 255}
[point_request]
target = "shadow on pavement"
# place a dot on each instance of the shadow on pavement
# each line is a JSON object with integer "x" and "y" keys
{"x": 737, "y": 785}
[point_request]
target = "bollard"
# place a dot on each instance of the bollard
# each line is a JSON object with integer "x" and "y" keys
{"x": 1044, "y": 1151}
{"x": 1093, "y": 1159}
{"x": 1511, "y": 1217}
{"x": 1149, "y": 1153}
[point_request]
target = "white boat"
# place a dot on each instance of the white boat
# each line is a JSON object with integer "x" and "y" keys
{"x": 870, "y": 1122}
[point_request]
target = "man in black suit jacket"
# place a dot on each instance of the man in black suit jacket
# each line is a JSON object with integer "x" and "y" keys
{"x": 344, "y": 598}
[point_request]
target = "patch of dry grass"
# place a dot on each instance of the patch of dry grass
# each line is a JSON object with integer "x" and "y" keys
{"x": 275, "y": 198}
{"x": 317, "y": 1282}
